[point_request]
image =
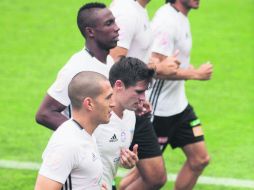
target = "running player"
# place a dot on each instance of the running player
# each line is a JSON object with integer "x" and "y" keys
{"x": 175, "y": 121}
{"x": 71, "y": 156}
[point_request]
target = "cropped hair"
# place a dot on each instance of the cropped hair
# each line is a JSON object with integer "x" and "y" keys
{"x": 86, "y": 16}
{"x": 130, "y": 71}
{"x": 85, "y": 84}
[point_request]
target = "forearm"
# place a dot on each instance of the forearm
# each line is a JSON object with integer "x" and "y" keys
{"x": 51, "y": 120}
{"x": 49, "y": 113}
{"x": 165, "y": 67}
{"x": 186, "y": 74}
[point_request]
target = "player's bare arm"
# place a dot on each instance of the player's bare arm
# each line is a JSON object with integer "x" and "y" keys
{"x": 49, "y": 113}
{"x": 203, "y": 72}
{"x": 166, "y": 67}
{"x": 43, "y": 183}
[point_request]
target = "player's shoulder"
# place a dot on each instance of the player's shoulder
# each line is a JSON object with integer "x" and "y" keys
{"x": 166, "y": 12}
{"x": 67, "y": 131}
{"x": 165, "y": 15}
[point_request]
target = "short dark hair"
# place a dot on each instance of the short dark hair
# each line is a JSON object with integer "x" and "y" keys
{"x": 85, "y": 17}
{"x": 130, "y": 71}
{"x": 170, "y": 1}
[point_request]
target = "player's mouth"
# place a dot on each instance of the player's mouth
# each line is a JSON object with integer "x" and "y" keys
{"x": 116, "y": 38}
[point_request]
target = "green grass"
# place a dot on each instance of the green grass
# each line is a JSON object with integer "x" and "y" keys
{"x": 38, "y": 37}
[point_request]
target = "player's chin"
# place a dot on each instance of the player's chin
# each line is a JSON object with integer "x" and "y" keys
{"x": 114, "y": 43}
{"x": 106, "y": 120}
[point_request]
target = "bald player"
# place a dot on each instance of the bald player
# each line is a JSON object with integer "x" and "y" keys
{"x": 71, "y": 156}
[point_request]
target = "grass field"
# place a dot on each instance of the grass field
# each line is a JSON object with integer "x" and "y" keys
{"x": 38, "y": 37}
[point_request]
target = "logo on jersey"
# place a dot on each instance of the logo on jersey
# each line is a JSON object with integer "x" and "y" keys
{"x": 113, "y": 138}
{"x": 94, "y": 157}
{"x": 123, "y": 136}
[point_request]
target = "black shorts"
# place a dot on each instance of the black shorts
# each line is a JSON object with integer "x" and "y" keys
{"x": 178, "y": 130}
{"x": 145, "y": 137}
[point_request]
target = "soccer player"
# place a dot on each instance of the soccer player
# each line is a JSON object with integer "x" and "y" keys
{"x": 71, "y": 156}
{"x": 175, "y": 121}
{"x": 135, "y": 39}
{"x": 130, "y": 78}
{"x": 97, "y": 25}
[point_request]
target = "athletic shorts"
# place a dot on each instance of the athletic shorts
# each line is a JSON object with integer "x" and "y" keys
{"x": 178, "y": 130}
{"x": 145, "y": 137}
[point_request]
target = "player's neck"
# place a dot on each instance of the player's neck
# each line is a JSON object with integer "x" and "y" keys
{"x": 181, "y": 8}
{"x": 97, "y": 52}
{"x": 84, "y": 123}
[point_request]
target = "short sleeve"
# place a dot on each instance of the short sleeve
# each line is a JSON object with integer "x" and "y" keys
{"x": 58, "y": 162}
{"x": 164, "y": 36}
{"x": 59, "y": 89}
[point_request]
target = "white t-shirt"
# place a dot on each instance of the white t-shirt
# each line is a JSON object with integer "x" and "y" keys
{"x": 135, "y": 32}
{"x": 81, "y": 61}
{"x": 72, "y": 151}
{"x": 171, "y": 32}
{"x": 110, "y": 138}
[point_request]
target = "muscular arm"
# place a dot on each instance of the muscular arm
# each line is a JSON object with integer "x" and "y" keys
{"x": 43, "y": 183}
{"x": 204, "y": 72}
{"x": 49, "y": 113}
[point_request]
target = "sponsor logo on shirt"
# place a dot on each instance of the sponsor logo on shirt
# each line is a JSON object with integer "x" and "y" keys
{"x": 113, "y": 138}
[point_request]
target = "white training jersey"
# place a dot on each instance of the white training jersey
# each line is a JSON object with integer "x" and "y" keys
{"x": 81, "y": 61}
{"x": 110, "y": 138}
{"x": 171, "y": 32}
{"x": 72, "y": 157}
{"x": 135, "y": 33}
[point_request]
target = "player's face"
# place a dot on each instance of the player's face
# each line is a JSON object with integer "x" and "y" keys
{"x": 106, "y": 30}
{"x": 190, "y": 4}
{"x": 133, "y": 96}
{"x": 104, "y": 104}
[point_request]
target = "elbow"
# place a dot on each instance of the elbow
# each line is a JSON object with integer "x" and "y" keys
{"x": 41, "y": 117}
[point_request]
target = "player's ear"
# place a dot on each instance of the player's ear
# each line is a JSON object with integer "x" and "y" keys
{"x": 119, "y": 84}
{"x": 88, "y": 103}
{"x": 89, "y": 32}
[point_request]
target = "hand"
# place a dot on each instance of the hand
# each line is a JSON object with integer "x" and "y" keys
{"x": 128, "y": 158}
{"x": 143, "y": 108}
{"x": 104, "y": 186}
{"x": 204, "y": 72}
{"x": 168, "y": 66}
